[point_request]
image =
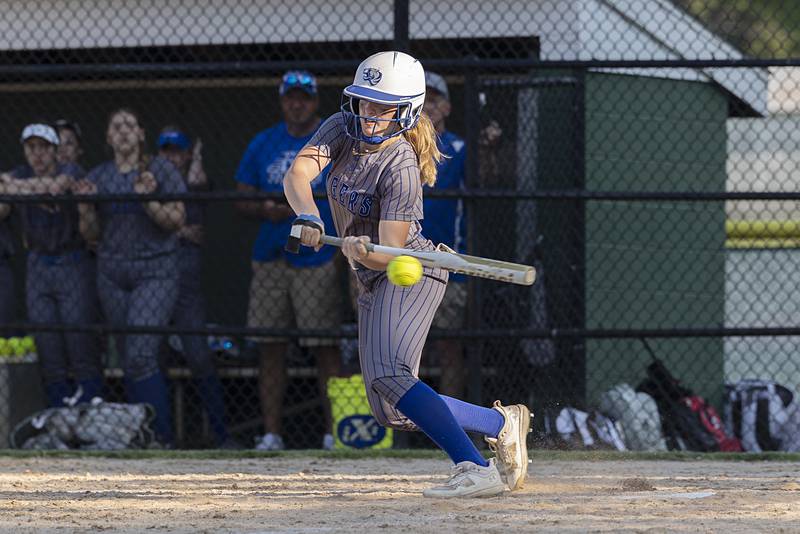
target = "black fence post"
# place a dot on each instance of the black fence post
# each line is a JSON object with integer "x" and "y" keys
{"x": 579, "y": 345}
{"x": 401, "y": 40}
{"x": 472, "y": 135}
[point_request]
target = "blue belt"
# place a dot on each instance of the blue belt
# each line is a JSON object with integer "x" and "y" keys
{"x": 59, "y": 259}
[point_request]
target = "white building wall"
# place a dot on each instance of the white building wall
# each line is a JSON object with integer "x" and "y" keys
{"x": 568, "y": 29}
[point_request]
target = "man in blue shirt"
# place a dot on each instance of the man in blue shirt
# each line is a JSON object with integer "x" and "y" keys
{"x": 445, "y": 223}
{"x": 288, "y": 289}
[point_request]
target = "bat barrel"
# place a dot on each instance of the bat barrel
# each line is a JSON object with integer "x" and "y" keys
{"x": 494, "y": 270}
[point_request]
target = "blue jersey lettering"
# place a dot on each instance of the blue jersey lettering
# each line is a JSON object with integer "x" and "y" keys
{"x": 366, "y": 206}
{"x": 351, "y": 205}
{"x": 334, "y": 183}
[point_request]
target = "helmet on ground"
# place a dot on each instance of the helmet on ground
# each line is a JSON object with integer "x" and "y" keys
{"x": 389, "y": 78}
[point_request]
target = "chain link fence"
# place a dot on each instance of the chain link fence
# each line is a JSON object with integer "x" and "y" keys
{"x": 641, "y": 154}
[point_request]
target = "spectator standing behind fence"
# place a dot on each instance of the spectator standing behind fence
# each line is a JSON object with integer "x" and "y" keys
{"x": 445, "y": 223}
{"x": 59, "y": 278}
{"x": 70, "y": 151}
{"x": 137, "y": 268}
{"x": 175, "y": 146}
{"x": 69, "y": 147}
{"x": 285, "y": 285}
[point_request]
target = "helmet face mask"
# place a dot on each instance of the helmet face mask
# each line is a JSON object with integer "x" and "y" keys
{"x": 401, "y": 120}
{"x": 391, "y": 79}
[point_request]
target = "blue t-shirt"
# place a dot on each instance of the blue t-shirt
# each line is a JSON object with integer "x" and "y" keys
{"x": 444, "y": 218}
{"x": 263, "y": 166}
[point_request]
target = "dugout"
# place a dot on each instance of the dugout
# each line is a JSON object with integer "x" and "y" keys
{"x": 653, "y": 129}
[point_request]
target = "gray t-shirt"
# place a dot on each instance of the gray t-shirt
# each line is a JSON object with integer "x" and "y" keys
{"x": 127, "y": 231}
{"x": 51, "y": 229}
{"x": 364, "y": 189}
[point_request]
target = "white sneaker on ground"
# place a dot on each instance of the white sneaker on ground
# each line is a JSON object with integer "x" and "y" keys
{"x": 511, "y": 444}
{"x": 470, "y": 480}
{"x": 328, "y": 442}
{"x": 270, "y": 442}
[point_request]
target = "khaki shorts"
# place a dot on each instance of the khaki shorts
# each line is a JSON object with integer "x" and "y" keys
{"x": 283, "y": 296}
{"x": 453, "y": 309}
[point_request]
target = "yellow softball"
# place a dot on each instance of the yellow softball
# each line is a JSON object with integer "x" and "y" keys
{"x": 404, "y": 271}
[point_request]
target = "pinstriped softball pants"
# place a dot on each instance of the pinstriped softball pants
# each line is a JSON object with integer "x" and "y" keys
{"x": 59, "y": 290}
{"x": 393, "y": 323}
{"x": 138, "y": 292}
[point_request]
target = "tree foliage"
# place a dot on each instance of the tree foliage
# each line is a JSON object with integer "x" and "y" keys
{"x": 759, "y": 28}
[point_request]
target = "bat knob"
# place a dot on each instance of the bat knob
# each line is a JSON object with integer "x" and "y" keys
{"x": 293, "y": 241}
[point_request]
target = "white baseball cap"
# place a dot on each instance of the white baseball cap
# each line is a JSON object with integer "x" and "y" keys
{"x": 42, "y": 131}
{"x": 437, "y": 83}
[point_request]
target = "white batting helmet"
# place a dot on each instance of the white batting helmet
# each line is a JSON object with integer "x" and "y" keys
{"x": 391, "y": 78}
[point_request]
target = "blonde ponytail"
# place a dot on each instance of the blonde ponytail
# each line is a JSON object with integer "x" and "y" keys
{"x": 423, "y": 139}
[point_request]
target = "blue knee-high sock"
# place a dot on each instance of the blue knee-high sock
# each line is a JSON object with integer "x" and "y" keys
{"x": 474, "y": 418}
{"x": 430, "y": 413}
{"x": 92, "y": 387}
{"x": 56, "y": 391}
{"x": 210, "y": 390}
{"x": 153, "y": 390}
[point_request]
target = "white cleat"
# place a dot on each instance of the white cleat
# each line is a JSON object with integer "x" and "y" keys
{"x": 470, "y": 480}
{"x": 270, "y": 442}
{"x": 511, "y": 445}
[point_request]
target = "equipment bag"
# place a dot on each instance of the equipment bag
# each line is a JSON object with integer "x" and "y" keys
{"x": 762, "y": 414}
{"x": 577, "y": 429}
{"x": 687, "y": 420}
{"x": 638, "y": 415}
{"x": 90, "y": 426}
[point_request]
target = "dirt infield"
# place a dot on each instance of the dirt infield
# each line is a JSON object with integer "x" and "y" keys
{"x": 312, "y": 494}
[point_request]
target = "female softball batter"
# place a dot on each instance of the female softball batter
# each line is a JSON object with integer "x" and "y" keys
{"x": 382, "y": 149}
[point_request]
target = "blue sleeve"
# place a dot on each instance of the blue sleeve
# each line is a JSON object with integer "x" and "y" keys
{"x": 247, "y": 173}
{"x": 459, "y": 161}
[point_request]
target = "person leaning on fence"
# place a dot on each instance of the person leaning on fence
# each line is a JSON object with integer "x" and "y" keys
{"x": 175, "y": 146}
{"x": 58, "y": 278}
{"x": 70, "y": 151}
{"x": 69, "y": 146}
{"x": 137, "y": 269}
{"x": 285, "y": 285}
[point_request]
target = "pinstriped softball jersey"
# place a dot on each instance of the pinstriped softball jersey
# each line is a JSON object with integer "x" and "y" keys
{"x": 7, "y": 291}
{"x": 363, "y": 189}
